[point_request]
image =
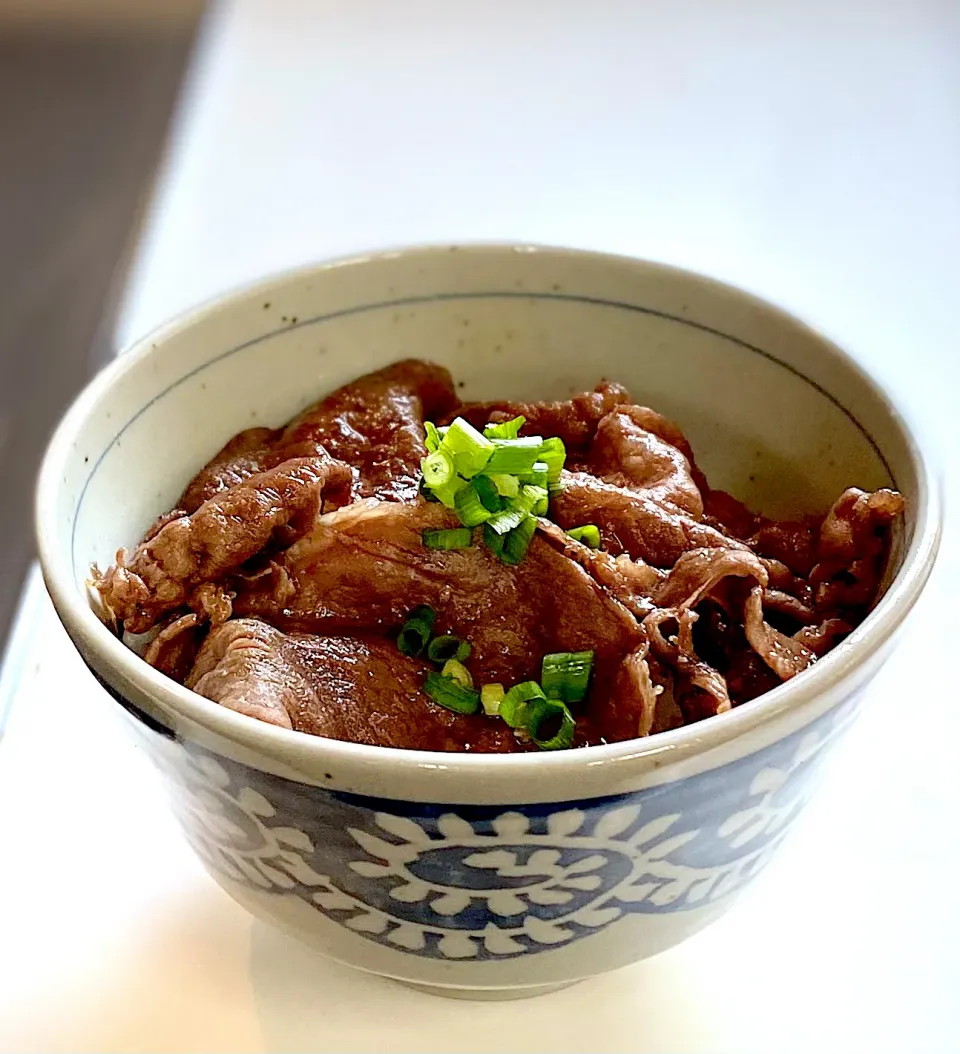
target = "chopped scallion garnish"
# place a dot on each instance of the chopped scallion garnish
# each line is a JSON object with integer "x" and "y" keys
{"x": 553, "y": 454}
{"x": 513, "y": 706}
{"x": 442, "y": 649}
{"x": 437, "y": 469}
{"x": 505, "y": 429}
{"x": 514, "y": 455}
{"x": 416, "y": 630}
{"x": 455, "y": 670}
{"x": 537, "y": 475}
{"x": 471, "y": 449}
{"x": 516, "y": 543}
{"x": 518, "y": 509}
{"x": 447, "y": 494}
{"x": 469, "y": 507}
{"x": 492, "y": 540}
{"x": 433, "y": 439}
{"x": 498, "y": 479}
{"x": 566, "y": 675}
{"x": 589, "y": 534}
{"x": 512, "y": 516}
{"x": 491, "y": 696}
{"x": 507, "y": 486}
{"x": 549, "y": 724}
{"x": 450, "y": 538}
{"x": 448, "y": 693}
{"x": 487, "y": 492}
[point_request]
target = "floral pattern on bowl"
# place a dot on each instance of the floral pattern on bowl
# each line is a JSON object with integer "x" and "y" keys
{"x": 492, "y": 882}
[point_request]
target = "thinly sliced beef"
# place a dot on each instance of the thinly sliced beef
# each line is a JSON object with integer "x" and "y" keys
{"x": 180, "y": 564}
{"x": 789, "y": 606}
{"x": 632, "y": 582}
{"x": 574, "y": 420}
{"x": 791, "y": 542}
{"x": 277, "y": 584}
{"x": 700, "y": 690}
{"x": 786, "y": 656}
{"x": 852, "y": 548}
{"x": 365, "y": 567}
{"x": 721, "y": 643}
{"x": 627, "y": 453}
{"x": 244, "y": 456}
{"x": 699, "y": 571}
{"x": 375, "y": 424}
{"x": 631, "y": 523}
{"x": 174, "y": 649}
{"x": 358, "y": 689}
{"x": 821, "y": 638}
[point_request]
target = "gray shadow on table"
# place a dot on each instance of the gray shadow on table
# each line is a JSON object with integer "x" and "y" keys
{"x": 305, "y": 1002}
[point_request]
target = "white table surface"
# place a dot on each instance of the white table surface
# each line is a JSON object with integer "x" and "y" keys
{"x": 807, "y": 151}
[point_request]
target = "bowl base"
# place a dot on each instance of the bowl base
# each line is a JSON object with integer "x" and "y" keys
{"x": 487, "y": 994}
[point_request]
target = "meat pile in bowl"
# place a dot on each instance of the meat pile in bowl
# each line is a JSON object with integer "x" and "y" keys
{"x": 278, "y": 585}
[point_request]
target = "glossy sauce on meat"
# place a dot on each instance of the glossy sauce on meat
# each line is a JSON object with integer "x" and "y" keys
{"x": 278, "y": 583}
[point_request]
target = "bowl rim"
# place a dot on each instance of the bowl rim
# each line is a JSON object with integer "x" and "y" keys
{"x": 317, "y": 752}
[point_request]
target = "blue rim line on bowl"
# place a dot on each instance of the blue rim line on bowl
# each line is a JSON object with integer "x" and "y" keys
{"x": 441, "y": 297}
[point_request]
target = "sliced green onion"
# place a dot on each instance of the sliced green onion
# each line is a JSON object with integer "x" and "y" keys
{"x": 550, "y": 724}
{"x": 450, "y": 538}
{"x": 553, "y": 453}
{"x": 433, "y": 440}
{"x": 492, "y": 540}
{"x": 416, "y": 630}
{"x": 449, "y": 694}
{"x": 507, "y": 486}
{"x": 517, "y": 542}
{"x": 447, "y": 494}
{"x": 437, "y": 468}
{"x": 589, "y": 534}
{"x": 566, "y": 675}
{"x": 491, "y": 696}
{"x": 537, "y": 475}
{"x": 514, "y": 456}
{"x": 487, "y": 492}
{"x": 471, "y": 449}
{"x": 469, "y": 507}
{"x": 505, "y": 429}
{"x": 518, "y": 509}
{"x": 542, "y": 507}
{"x": 514, "y": 704}
{"x": 455, "y": 670}
{"x": 441, "y": 649}
{"x": 512, "y": 516}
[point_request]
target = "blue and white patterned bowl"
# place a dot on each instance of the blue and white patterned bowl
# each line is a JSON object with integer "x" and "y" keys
{"x": 486, "y": 876}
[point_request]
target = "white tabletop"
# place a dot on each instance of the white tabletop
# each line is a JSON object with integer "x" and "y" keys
{"x": 806, "y": 151}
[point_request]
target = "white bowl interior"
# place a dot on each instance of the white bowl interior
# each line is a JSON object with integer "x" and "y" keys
{"x": 774, "y": 414}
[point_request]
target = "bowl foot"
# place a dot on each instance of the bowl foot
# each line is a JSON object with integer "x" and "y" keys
{"x": 487, "y": 994}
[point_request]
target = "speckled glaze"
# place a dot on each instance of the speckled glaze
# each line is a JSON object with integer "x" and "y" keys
{"x": 488, "y": 876}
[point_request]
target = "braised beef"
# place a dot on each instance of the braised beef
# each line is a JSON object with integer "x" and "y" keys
{"x": 365, "y": 567}
{"x": 277, "y": 585}
{"x": 172, "y": 566}
{"x": 357, "y": 688}
{"x": 574, "y": 420}
{"x": 374, "y": 424}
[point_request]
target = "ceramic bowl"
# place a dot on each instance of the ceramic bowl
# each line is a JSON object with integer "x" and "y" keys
{"x": 487, "y": 876}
